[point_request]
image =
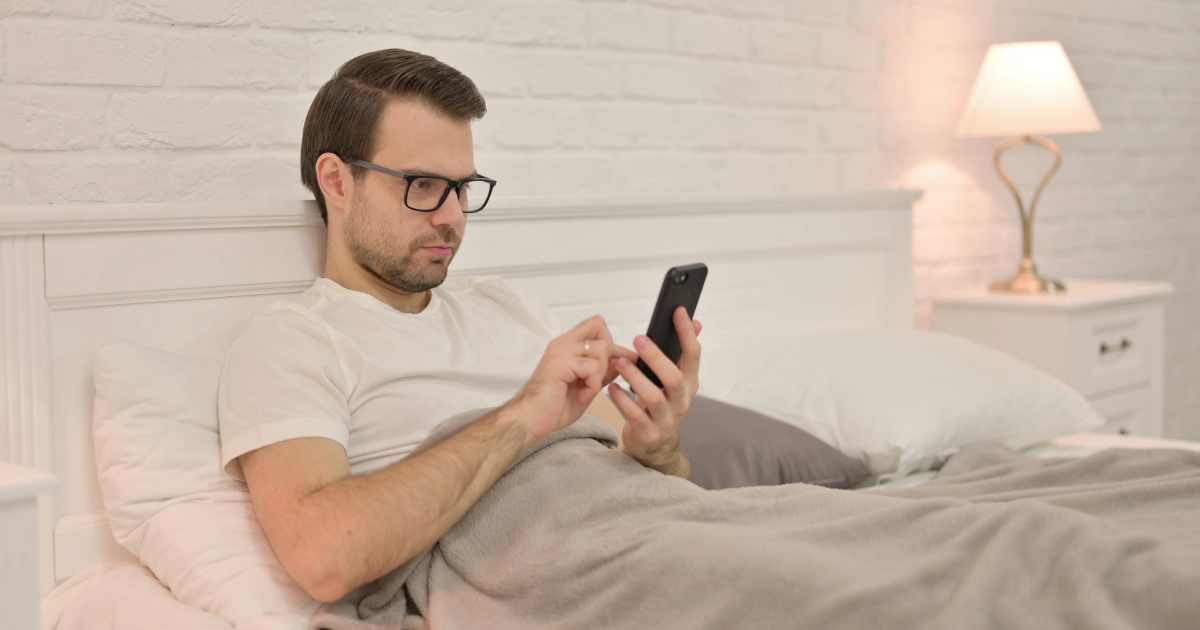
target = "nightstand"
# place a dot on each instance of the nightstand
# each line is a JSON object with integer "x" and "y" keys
{"x": 1105, "y": 339}
{"x": 19, "y": 594}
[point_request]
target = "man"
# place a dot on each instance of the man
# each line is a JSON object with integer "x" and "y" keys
{"x": 323, "y": 397}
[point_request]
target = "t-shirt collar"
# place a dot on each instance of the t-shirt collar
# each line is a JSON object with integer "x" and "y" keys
{"x": 366, "y": 300}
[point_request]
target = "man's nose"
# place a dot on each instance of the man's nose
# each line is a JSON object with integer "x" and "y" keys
{"x": 450, "y": 212}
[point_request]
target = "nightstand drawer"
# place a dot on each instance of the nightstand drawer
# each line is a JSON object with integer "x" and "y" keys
{"x": 1112, "y": 348}
{"x": 1126, "y": 412}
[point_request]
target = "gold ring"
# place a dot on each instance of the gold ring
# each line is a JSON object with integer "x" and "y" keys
{"x": 586, "y": 345}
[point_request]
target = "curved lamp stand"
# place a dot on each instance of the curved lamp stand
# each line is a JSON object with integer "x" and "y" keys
{"x": 1027, "y": 279}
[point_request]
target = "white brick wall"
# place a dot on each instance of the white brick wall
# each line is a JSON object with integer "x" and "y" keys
{"x": 151, "y": 100}
{"x": 206, "y": 13}
{"x": 92, "y": 52}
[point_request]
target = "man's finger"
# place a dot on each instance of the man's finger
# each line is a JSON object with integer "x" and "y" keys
{"x": 689, "y": 361}
{"x": 593, "y": 327}
{"x": 595, "y": 349}
{"x": 664, "y": 368}
{"x": 590, "y": 384}
{"x": 595, "y": 378}
{"x": 634, "y": 413}
{"x": 580, "y": 370}
{"x": 649, "y": 395}
{"x": 605, "y": 334}
{"x": 619, "y": 352}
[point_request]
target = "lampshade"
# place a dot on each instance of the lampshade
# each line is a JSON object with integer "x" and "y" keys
{"x": 1027, "y": 88}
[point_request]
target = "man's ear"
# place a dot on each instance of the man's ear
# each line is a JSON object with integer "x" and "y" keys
{"x": 336, "y": 181}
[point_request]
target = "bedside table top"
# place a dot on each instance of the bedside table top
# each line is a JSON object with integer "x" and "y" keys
{"x": 17, "y": 482}
{"x": 1080, "y": 295}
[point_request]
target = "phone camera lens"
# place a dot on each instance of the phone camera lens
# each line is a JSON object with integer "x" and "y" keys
{"x": 680, "y": 279}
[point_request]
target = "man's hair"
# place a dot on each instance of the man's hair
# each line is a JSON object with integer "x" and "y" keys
{"x": 345, "y": 113}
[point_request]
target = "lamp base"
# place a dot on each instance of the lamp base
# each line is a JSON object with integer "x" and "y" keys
{"x": 1028, "y": 280}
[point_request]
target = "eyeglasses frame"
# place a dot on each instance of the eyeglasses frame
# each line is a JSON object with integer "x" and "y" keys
{"x": 455, "y": 185}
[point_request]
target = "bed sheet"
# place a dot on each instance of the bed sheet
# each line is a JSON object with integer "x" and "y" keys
{"x": 127, "y": 596}
{"x": 1083, "y": 444}
{"x": 121, "y": 596}
{"x": 1074, "y": 445}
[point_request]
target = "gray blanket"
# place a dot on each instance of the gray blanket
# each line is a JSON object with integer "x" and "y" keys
{"x": 578, "y": 535}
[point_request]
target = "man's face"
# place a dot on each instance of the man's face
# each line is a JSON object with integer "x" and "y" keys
{"x": 410, "y": 250}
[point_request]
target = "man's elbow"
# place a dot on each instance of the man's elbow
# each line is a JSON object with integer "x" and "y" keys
{"x": 326, "y": 590}
{"x": 319, "y": 575}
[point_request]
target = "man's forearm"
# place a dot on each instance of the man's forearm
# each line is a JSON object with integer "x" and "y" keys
{"x": 363, "y": 527}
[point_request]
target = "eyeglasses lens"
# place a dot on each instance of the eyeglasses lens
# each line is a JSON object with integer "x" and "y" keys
{"x": 424, "y": 193}
{"x": 473, "y": 195}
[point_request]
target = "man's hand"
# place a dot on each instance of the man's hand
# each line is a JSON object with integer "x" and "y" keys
{"x": 651, "y": 433}
{"x": 575, "y": 367}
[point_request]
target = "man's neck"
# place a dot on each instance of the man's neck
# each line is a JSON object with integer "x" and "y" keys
{"x": 354, "y": 277}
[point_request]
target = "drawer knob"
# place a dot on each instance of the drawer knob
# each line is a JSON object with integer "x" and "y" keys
{"x": 1121, "y": 347}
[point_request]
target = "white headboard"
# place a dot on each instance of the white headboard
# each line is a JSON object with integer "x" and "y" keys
{"x": 186, "y": 277}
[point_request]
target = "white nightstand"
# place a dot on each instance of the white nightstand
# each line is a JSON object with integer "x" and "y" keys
{"x": 19, "y": 584}
{"x": 1105, "y": 339}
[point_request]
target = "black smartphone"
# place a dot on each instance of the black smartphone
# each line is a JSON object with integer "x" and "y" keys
{"x": 681, "y": 287}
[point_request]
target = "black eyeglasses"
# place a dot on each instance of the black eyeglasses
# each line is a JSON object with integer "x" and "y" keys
{"x": 426, "y": 193}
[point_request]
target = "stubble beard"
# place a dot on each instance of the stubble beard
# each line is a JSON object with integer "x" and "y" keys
{"x": 402, "y": 271}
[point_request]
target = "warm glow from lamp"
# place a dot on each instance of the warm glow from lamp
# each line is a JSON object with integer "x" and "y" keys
{"x": 1027, "y": 88}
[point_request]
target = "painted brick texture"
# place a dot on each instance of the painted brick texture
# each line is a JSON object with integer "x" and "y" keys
{"x": 161, "y": 100}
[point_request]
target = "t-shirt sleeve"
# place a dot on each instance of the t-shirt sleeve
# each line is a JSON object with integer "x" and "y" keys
{"x": 282, "y": 380}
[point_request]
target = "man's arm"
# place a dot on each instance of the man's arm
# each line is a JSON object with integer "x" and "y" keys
{"x": 334, "y": 532}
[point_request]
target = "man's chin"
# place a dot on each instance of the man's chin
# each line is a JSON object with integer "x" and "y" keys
{"x": 435, "y": 275}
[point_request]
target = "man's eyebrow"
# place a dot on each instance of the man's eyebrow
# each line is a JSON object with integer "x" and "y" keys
{"x": 420, "y": 172}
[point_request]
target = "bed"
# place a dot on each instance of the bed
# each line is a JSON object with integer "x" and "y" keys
{"x": 185, "y": 278}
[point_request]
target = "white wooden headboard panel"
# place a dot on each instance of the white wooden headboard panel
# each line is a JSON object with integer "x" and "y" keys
{"x": 186, "y": 277}
{"x": 89, "y": 269}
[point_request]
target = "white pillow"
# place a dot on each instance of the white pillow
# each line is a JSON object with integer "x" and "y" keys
{"x": 159, "y": 464}
{"x": 899, "y": 401}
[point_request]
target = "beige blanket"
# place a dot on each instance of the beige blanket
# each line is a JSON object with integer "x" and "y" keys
{"x": 578, "y": 535}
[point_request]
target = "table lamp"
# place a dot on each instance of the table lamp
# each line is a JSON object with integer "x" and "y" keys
{"x": 1027, "y": 88}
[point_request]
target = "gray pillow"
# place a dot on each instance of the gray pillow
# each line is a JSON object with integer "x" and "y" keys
{"x": 733, "y": 447}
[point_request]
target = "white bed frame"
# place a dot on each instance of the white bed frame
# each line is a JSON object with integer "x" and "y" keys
{"x": 186, "y": 277}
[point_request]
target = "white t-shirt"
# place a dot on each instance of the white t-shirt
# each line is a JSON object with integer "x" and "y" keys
{"x": 342, "y": 365}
